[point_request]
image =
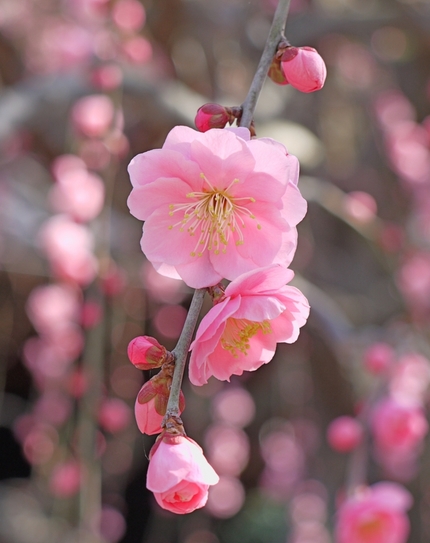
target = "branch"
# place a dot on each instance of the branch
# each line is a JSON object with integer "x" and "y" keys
{"x": 275, "y": 35}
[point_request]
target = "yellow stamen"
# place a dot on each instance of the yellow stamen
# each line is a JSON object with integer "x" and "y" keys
{"x": 238, "y": 332}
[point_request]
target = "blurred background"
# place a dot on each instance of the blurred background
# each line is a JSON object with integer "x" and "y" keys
{"x": 88, "y": 84}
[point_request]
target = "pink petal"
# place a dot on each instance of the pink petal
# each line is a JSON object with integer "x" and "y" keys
{"x": 261, "y": 280}
{"x": 150, "y": 166}
{"x": 146, "y": 199}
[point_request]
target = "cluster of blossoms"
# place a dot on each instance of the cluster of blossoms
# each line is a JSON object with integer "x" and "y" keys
{"x": 217, "y": 205}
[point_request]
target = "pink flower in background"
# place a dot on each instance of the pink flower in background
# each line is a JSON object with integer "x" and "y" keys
{"x": 240, "y": 332}
{"x": 68, "y": 247}
{"x": 93, "y": 115}
{"x": 216, "y": 204}
{"x": 78, "y": 193}
{"x": 398, "y": 425}
{"x": 344, "y": 434}
{"x": 53, "y": 307}
{"x": 304, "y": 68}
{"x": 66, "y": 479}
{"x": 114, "y": 415}
{"x": 375, "y": 515}
{"x": 179, "y": 475}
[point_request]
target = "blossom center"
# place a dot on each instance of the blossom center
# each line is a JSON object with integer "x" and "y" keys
{"x": 238, "y": 332}
{"x": 214, "y": 215}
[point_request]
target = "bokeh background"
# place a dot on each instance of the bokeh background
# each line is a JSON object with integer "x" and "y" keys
{"x": 85, "y": 86}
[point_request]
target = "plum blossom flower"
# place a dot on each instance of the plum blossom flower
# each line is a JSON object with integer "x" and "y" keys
{"x": 151, "y": 403}
{"x": 375, "y": 515}
{"x": 241, "y": 331}
{"x": 216, "y": 204}
{"x": 179, "y": 475}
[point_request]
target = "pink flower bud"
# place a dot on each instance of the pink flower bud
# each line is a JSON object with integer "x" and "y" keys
{"x": 344, "y": 434}
{"x": 212, "y": 116}
{"x": 304, "y": 68}
{"x": 179, "y": 475}
{"x": 146, "y": 353}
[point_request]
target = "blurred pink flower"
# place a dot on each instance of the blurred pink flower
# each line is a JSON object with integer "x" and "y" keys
{"x": 68, "y": 247}
{"x": 304, "y": 68}
{"x": 216, "y": 204}
{"x": 52, "y": 307}
{"x": 93, "y": 115}
{"x": 79, "y": 194}
{"x": 375, "y": 515}
{"x": 114, "y": 415}
{"x": 379, "y": 358}
{"x": 398, "y": 426}
{"x": 344, "y": 434}
{"x": 241, "y": 331}
{"x": 65, "y": 479}
{"x": 179, "y": 475}
{"x": 128, "y": 15}
{"x": 413, "y": 280}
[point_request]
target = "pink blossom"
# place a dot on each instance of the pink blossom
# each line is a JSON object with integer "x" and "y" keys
{"x": 128, "y": 14}
{"x": 146, "y": 353}
{"x": 179, "y": 475}
{"x": 114, "y": 415}
{"x": 375, "y": 515}
{"x": 379, "y": 358}
{"x": 398, "y": 426}
{"x": 66, "y": 479}
{"x": 240, "y": 332}
{"x": 93, "y": 115}
{"x": 216, "y": 204}
{"x": 147, "y": 419}
{"x": 304, "y": 68}
{"x": 344, "y": 434}
{"x": 52, "y": 307}
{"x": 68, "y": 247}
{"x": 78, "y": 193}
{"x": 151, "y": 403}
{"x": 211, "y": 116}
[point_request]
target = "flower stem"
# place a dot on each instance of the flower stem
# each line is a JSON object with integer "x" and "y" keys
{"x": 181, "y": 351}
{"x": 275, "y": 36}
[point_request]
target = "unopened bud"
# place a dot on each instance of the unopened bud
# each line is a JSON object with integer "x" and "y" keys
{"x": 304, "y": 68}
{"x": 146, "y": 353}
{"x": 212, "y": 116}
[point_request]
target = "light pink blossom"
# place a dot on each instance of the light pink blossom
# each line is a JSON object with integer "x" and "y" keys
{"x": 240, "y": 332}
{"x": 216, "y": 204}
{"x": 179, "y": 475}
{"x": 68, "y": 247}
{"x": 375, "y": 515}
{"x": 78, "y": 193}
{"x": 398, "y": 426}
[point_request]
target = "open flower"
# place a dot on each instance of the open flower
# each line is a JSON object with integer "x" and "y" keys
{"x": 216, "y": 204}
{"x": 240, "y": 332}
{"x": 375, "y": 515}
{"x": 179, "y": 475}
